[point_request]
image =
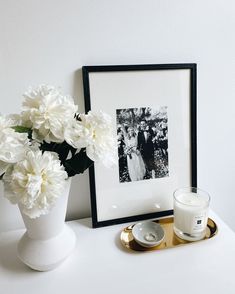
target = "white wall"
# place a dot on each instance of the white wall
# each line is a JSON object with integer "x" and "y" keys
{"x": 48, "y": 41}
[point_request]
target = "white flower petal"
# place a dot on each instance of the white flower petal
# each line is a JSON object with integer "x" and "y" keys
{"x": 35, "y": 182}
{"x": 13, "y": 145}
{"x": 3, "y": 167}
{"x": 94, "y": 132}
{"x": 48, "y": 113}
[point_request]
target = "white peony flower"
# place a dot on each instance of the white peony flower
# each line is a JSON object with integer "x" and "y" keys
{"x": 48, "y": 113}
{"x": 94, "y": 132}
{"x": 13, "y": 145}
{"x": 6, "y": 122}
{"x": 35, "y": 183}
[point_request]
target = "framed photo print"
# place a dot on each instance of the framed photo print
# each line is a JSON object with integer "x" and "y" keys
{"x": 153, "y": 108}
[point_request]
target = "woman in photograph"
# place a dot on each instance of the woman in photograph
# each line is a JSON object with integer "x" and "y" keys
{"x": 135, "y": 163}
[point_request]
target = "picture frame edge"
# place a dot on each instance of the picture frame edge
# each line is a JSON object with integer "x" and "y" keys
{"x": 86, "y": 70}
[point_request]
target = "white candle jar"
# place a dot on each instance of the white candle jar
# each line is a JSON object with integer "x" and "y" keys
{"x": 191, "y": 213}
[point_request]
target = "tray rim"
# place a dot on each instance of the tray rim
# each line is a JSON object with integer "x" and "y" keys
{"x": 214, "y": 232}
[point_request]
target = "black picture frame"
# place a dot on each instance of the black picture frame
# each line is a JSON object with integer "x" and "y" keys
{"x": 192, "y": 72}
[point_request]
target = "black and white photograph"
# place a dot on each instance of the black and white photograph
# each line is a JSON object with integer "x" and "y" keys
{"x": 142, "y": 139}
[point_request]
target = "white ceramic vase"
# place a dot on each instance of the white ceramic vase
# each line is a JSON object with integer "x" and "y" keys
{"x": 48, "y": 241}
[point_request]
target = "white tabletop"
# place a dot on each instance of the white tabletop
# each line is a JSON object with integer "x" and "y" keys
{"x": 100, "y": 264}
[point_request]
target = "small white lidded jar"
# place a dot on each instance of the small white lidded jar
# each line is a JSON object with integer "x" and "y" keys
{"x": 190, "y": 213}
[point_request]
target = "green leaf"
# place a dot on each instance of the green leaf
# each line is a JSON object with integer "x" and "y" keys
{"x": 48, "y": 146}
{"x": 20, "y": 129}
{"x": 78, "y": 163}
{"x": 62, "y": 149}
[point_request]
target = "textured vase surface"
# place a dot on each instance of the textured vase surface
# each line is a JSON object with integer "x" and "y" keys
{"x": 48, "y": 241}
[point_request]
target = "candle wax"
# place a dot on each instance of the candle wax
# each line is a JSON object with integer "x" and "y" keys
{"x": 190, "y": 213}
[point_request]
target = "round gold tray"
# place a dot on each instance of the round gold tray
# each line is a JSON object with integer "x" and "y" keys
{"x": 170, "y": 240}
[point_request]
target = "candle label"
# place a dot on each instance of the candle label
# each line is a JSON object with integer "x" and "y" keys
{"x": 199, "y": 222}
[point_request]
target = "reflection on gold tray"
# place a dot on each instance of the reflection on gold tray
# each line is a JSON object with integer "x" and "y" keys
{"x": 170, "y": 240}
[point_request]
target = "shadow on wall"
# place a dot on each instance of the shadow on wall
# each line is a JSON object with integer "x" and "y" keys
{"x": 79, "y": 199}
{"x": 78, "y": 90}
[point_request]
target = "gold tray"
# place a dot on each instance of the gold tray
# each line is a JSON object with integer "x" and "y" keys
{"x": 170, "y": 239}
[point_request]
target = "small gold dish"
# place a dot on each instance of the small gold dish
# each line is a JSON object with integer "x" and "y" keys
{"x": 170, "y": 240}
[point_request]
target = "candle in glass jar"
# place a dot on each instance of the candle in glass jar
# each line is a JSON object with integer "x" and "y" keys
{"x": 190, "y": 213}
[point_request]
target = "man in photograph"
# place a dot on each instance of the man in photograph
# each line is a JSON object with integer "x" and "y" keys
{"x": 146, "y": 147}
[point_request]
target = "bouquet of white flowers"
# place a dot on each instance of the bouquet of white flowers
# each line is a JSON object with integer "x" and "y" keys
{"x": 47, "y": 143}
